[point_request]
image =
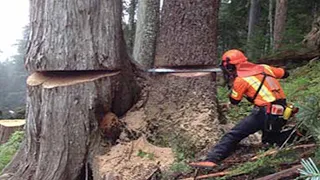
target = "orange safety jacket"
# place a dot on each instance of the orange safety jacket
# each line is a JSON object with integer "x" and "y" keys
{"x": 248, "y": 84}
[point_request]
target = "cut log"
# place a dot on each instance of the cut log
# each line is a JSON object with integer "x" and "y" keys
{"x": 8, "y": 127}
{"x": 183, "y": 105}
{"x": 286, "y": 57}
{"x": 285, "y": 174}
{"x": 274, "y": 151}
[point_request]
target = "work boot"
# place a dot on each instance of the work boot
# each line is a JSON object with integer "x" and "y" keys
{"x": 203, "y": 164}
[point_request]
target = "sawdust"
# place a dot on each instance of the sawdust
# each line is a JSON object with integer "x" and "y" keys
{"x": 134, "y": 160}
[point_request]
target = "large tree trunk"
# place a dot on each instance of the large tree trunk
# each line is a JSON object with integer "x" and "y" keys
{"x": 188, "y": 33}
{"x": 182, "y": 108}
{"x": 279, "y": 22}
{"x": 146, "y": 33}
{"x": 72, "y": 44}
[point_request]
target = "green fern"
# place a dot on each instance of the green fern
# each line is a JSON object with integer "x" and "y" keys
{"x": 310, "y": 171}
{"x": 309, "y": 116}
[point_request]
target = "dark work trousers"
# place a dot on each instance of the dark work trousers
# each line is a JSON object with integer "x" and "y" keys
{"x": 256, "y": 121}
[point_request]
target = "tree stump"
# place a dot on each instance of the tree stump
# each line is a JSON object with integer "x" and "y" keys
{"x": 8, "y": 127}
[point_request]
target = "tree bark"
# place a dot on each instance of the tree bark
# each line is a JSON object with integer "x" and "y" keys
{"x": 146, "y": 32}
{"x": 279, "y": 22}
{"x": 188, "y": 33}
{"x": 75, "y": 35}
{"x": 253, "y": 18}
{"x": 72, "y": 44}
{"x": 254, "y": 15}
{"x": 185, "y": 105}
{"x": 132, "y": 23}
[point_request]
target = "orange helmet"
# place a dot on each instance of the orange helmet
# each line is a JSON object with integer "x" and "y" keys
{"x": 233, "y": 56}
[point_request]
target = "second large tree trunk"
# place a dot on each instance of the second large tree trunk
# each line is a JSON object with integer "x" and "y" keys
{"x": 182, "y": 108}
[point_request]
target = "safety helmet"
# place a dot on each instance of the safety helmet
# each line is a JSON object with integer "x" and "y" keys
{"x": 234, "y": 57}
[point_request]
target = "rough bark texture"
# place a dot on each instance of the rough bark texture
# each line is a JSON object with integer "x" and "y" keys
{"x": 64, "y": 107}
{"x": 279, "y": 22}
{"x": 312, "y": 40}
{"x": 63, "y": 126}
{"x": 188, "y": 33}
{"x": 146, "y": 32}
{"x": 183, "y": 110}
{"x": 75, "y": 35}
{"x": 132, "y": 24}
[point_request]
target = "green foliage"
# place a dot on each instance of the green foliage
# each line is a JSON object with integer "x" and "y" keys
{"x": 8, "y": 149}
{"x": 143, "y": 154}
{"x": 303, "y": 82}
{"x": 309, "y": 116}
{"x": 310, "y": 171}
{"x": 264, "y": 165}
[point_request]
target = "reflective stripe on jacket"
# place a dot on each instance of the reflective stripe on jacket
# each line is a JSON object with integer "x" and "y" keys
{"x": 270, "y": 91}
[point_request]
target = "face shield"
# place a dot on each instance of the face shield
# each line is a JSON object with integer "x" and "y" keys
{"x": 229, "y": 72}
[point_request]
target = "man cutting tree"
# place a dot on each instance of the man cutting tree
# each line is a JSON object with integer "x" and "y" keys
{"x": 259, "y": 85}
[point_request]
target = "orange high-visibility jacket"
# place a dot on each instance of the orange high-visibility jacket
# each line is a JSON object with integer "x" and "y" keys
{"x": 269, "y": 92}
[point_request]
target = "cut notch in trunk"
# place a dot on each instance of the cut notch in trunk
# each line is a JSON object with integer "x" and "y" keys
{"x": 51, "y": 79}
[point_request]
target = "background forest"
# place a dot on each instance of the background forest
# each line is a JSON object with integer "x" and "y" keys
{"x": 267, "y": 31}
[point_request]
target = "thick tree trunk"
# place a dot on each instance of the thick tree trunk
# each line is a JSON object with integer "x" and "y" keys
{"x": 75, "y": 35}
{"x": 312, "y": 40}
{"x": 188, "y": 33}
{"x": 68, "y": 96}
{"x": 146, "y": 33}
{"x": 8, "y": 127}
{"x": 182, "y": 108}
{"x": 279, "y": 22}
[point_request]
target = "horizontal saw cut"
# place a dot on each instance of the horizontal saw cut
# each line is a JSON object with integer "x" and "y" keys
{"x": 51, "y": 79}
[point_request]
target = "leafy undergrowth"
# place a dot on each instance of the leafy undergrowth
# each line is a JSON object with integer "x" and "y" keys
{"x": 8, "y": 149}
